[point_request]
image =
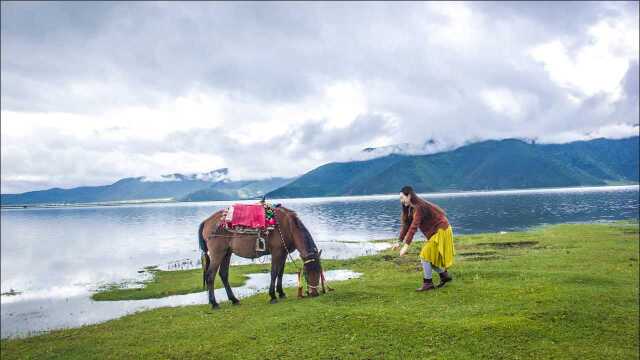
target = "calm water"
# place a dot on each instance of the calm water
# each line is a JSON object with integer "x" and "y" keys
{"x": 67, "y": 252}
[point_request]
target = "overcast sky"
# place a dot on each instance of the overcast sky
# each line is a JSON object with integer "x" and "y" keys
{"x": 95, "y": 92}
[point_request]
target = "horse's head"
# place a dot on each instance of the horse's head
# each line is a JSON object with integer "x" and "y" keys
{"x": 309, "y": 253}
{"x": 313, "y": 272}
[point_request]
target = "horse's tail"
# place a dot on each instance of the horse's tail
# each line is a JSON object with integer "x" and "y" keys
{"x": 205, "y": 260}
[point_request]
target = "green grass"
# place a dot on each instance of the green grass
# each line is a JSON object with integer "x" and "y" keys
{"x": 560, "y": 292}
{"x": 167, "y": 283}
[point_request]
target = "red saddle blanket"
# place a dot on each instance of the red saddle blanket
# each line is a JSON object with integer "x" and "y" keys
{"x": 251, "y": 216}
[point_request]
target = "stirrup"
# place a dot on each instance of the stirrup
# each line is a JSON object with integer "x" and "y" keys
{"x": 261, "y": 244}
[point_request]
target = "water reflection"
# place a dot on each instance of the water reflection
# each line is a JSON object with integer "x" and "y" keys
{"x": 30, "y": 317}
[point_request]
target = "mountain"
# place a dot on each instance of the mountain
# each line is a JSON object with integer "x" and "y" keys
{"x": 503, "y": 164}
{"x": 170, "y": 186}
{"x": 494, "y": 164}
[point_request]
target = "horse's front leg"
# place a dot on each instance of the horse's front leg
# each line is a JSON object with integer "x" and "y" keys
{"x": 280, "y": 275}
{"x": 275, "y": 265}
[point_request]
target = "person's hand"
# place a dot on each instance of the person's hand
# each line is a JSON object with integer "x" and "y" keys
{"x": 404, "y": 250}
{"x": 395, "y": 246}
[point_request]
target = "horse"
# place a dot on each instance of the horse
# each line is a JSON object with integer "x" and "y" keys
{"x": 290, "y": 234}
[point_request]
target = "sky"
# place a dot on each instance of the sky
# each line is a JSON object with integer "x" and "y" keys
{"x": 95, "y": 92}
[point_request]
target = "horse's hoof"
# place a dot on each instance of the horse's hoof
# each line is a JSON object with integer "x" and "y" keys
{"x": 215, "y": 307}
{"x": 283, "y": 296}
{"x": 236, "y": 302}
{"x": 273, "y": 301}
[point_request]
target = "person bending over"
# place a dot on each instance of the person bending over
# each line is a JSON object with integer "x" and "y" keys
{"x": 437, "y": 253}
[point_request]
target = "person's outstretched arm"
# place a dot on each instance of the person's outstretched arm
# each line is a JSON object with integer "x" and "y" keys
{"x": 404, "y": 227}
{"x": 415, "y": 224}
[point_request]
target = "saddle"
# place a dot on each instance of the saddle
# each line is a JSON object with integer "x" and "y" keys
{"x": 258, "y": 219}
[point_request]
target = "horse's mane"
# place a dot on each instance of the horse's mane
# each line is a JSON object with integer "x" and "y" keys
{"x": 306, "y": 235}
{"x": 307, "y": 239}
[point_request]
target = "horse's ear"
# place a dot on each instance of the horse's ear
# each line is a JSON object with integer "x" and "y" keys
{"x": 320, "y": 253}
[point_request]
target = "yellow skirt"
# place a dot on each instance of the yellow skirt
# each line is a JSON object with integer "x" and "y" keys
{"x": 438, "y": 250}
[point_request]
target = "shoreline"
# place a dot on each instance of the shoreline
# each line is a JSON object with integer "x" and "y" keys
{"x": 89, "y": 312}
{"x": 124, "y": 203}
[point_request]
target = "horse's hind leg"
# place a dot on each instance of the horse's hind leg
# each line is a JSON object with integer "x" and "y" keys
{"x": 214, "y": 265}
{"x": 279, "y": 284}
{"x": 224, "y": 276}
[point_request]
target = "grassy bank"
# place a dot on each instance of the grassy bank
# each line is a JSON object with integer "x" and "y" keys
{"x": 567, "y": 291}
{"x": 167, "y": 283}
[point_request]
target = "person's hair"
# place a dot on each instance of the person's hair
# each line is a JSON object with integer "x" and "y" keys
{"x": 415, "y": 201}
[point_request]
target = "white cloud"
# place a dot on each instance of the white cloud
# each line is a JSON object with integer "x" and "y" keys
{"x": 196, "y": 110}
{"x": 596, "y": 67}
{"x": 613, "y": 131}
{"x": 344, "y": 102}
{"x": 460, "y": 29}
{"x": 505, "y": 102}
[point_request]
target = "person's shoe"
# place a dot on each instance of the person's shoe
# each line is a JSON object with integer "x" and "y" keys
{"x": 444, "y": 278}
{"x": 427, "y": 284}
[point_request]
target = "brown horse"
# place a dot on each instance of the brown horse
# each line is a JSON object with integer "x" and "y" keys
{"x": 290, "y": 234}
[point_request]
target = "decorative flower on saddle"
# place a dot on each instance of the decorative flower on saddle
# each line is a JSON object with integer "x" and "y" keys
{"x": 270, "y": 215}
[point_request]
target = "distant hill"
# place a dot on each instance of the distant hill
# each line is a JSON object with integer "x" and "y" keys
{"x": 503, "y": 164}
{"x": 232, "y": 190}
{"x": 213, "y": 185}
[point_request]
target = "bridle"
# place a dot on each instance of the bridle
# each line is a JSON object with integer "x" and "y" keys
{"x": 322, "y": 283}
{"x": 305, "y": 262}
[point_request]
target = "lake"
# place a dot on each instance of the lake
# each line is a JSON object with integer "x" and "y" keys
{"x": 56, "y": 255}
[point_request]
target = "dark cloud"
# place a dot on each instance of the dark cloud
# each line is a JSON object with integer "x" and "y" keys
{"x": 286, "y": 154}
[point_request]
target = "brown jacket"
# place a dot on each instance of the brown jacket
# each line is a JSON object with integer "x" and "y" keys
{"x": 426, "y": 218}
